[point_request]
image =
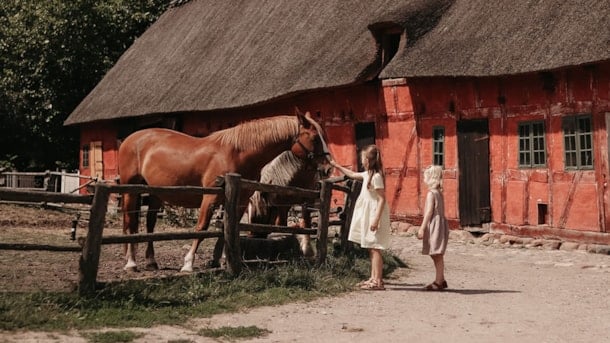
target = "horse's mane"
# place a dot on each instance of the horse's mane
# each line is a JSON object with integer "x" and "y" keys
{"x": 282, "y": 169}
{"x": 257, "y": 133}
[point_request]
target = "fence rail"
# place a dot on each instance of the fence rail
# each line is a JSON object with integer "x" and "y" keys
{"x": 232, "y": 185}
{"x": 51, "y": 181}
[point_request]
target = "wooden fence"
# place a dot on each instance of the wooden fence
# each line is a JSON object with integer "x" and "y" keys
{"x": 233, "y": 184}
{"x": 50, "y": 181}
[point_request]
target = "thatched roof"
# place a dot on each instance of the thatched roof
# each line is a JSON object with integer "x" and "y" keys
{"x": 208, "y": 55}
{"x": 497, "y": 37}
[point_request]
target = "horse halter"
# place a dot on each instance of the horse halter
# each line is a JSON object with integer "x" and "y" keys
{"x": 310, "y": 154}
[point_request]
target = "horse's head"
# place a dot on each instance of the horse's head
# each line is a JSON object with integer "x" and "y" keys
{"x": 310, "y": 144}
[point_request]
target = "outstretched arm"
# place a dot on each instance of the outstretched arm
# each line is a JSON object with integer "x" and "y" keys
{"x": 348, "y": 172}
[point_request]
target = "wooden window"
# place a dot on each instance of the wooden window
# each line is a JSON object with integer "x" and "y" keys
{"x": 578, "y": 142}
{"x": 86, "y": 156}
{"x": 532, "y": 151}
{"x": 438, "y": 149}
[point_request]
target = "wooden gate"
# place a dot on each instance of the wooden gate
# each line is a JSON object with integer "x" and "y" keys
{"x": 473, "y": 154}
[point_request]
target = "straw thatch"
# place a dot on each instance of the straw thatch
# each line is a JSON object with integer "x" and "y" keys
{"x": 497, "y": 37}
{"x": 205, "y": 55}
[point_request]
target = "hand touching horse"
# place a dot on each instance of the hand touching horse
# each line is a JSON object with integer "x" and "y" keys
{"x": 162, "y": 157}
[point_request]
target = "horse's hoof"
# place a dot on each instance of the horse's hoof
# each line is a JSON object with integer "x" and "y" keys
{"x": 213, "y": 264}
{"x": 186, "y": 270}
{"x": 131, "y": 269}
{"x": 152, "y": 266}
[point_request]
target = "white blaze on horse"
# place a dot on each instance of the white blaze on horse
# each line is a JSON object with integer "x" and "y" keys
{"x": 162, "y": 157}
{"x": 286, "y": 169}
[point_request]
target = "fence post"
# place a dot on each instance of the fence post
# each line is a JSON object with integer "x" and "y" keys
{"x": 326, "y": 190}
{"x": 349, "y": 212}
{"x": 231, "y": 222}
{"x": 90, "y": 257}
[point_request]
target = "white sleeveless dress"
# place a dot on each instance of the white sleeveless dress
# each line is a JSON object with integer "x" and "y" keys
{"x": 364, "y": 213}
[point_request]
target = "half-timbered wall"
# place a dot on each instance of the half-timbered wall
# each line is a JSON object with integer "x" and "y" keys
{"x": 548, "y": 200}
{"x": 542, "y": 200}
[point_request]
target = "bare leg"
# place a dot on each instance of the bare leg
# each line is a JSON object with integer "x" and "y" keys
{"x": 376, "y": 265}
{"x": 439, "y": 265}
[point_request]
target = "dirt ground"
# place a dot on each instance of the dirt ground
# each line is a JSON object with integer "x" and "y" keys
{"x": 497, "y": 293}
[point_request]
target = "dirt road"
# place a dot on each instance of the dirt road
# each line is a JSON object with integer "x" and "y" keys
{"x": 496, "y": 293}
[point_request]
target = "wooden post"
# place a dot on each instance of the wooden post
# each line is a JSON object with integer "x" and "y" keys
{"x": 349, "y": 212}
{"x": 231, "y": 222}
{"x": 90, "y": 257}
{"x": 326, "y": 190}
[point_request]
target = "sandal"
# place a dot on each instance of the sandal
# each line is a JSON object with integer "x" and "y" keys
{"x": 436, "y": 287}
{"x": 373, "y": 286}
{"x": 365, "y": 282}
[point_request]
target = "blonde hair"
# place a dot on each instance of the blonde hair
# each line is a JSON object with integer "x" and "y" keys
{"x": 372, "y": 154}
{"x": 433, "y": 177}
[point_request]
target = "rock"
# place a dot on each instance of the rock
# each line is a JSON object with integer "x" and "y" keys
{"x": 550, "y": 244}
{"x": 461, "y": 235}
{"x": 599, "y": 249}
{"x": 569, "y": 246}
{"x": 508, "y": 239}
{"x": 404, "y": 227}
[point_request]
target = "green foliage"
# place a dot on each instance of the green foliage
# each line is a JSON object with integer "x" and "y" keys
{"x": 144, "y": 303}
{"x": 52, "y": 54}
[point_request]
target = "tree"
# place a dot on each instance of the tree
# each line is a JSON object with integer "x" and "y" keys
{"x": 52, "y": 53}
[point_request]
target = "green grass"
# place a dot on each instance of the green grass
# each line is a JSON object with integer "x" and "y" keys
{"x": 112, "y": 336}
{"x": 232, "y": 333}
{"x": 171, "y": 301}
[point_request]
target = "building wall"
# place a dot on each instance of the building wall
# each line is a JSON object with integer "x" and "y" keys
{"x": 576, "y": 200}
{"x": 404, "y": 113}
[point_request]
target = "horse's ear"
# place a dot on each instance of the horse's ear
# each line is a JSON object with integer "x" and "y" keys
{"x": 303, "y": 118}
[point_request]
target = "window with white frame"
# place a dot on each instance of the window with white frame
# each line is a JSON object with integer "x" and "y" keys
{"x": 438, "y": 149}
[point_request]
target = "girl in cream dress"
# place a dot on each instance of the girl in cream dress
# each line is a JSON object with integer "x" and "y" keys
{"x": 370, "y": 225}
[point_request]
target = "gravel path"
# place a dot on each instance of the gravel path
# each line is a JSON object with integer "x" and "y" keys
{"x": 497, "y": 293}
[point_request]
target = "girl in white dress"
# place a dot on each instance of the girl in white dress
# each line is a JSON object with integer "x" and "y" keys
{"x": 370, "y": 225}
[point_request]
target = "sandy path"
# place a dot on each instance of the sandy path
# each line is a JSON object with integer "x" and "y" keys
{"x": 497, "y": 294}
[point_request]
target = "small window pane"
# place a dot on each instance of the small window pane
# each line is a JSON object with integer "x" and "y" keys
{"x": 438, "y": 146}
{"x": 578, "y": 142}
{"x": 85, "y": 156}
{"x": 532, "y": 152}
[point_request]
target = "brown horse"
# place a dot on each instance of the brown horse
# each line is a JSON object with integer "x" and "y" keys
{"x": 286, "y": 169}
{"x": 162, "y": 157}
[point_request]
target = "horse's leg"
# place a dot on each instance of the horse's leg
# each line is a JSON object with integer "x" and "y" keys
{"x": 154, "y": 204}
{"x": 305, "y": 240}
{"x": 205, "y": 214}
{"x": 130, "y": 226}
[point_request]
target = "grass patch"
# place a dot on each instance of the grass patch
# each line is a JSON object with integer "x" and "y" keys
{"x": 112, "y": 336}
{"x": 232, "y": 333}
{"x": 171, "y": 301}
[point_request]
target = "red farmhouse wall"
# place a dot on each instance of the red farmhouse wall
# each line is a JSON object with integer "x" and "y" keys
{"x": 576, "y": 199}
{"x": 404, "y": 113}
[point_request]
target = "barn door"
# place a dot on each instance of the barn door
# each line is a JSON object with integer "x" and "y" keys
{"x": 365, "y": 135}
{"x": 473, "y": 154}
{"x": 97, "y": 164}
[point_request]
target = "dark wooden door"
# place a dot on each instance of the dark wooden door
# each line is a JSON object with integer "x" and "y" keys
{"x": 365, "y": 135}
{"x": 473, "y": 154}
